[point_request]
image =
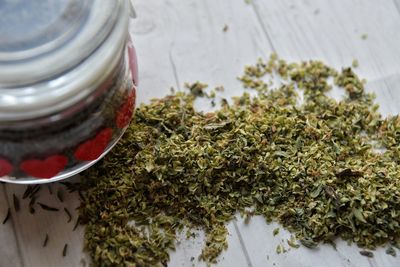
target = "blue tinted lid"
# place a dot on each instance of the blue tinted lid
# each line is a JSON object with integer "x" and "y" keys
{"x": 27, "y": 25}
{"x": 40, "y": 39}
{"x": 48, "y": 69}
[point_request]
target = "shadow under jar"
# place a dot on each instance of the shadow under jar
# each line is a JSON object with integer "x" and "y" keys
{"x": 68, "y": 76}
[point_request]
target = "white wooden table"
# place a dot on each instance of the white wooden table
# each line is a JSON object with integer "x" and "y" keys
{"x": 183, "y": 40}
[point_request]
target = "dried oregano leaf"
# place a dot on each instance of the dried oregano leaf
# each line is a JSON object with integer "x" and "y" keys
{"x": 391, "y": 251}
{"x": 292, "y": 242}
{"x": 311, "y": 165}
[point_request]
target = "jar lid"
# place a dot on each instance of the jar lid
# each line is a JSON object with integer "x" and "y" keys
{"x": 44, "y": 43}
{"x": 41, "y": 39}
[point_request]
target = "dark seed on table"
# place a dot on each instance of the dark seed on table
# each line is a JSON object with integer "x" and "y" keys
{"x": 60, "y": 195}
{"x": 76, "y": 224}
{"x": 7, "y": 216}
{"x": 368, "y": 254}
{"x": 34, "y": 190}
{"x": 46, "y": 207}
{"x": 31, "y": 210}
{"x": 32, "y": 201}
{"x": 16, "y": 203}
{"x": 46, "y": 239}
{"x": 68, "y": 214}
{"x": 27, "y": 192}
{"x": 64, "y": 252}
{"x": 50, "y": 189}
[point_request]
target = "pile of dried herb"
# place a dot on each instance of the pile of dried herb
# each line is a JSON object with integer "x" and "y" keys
{"x": 322, "y": 168}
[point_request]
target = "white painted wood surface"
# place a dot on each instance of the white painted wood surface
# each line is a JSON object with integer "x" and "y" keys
{"x": 183, "y": 40}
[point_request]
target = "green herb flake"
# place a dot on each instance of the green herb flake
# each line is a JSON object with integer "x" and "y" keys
{"x": 366, "y": 253}
{"x": 308, "y": 243}
{"x": 364, "y": 36}
{"x": 391, "y": 251}
{"x": 279, "y": 249}
{"x": 354, "y": 63}
{"x": 292, "y": 242}
{"x": 275, "y": 231}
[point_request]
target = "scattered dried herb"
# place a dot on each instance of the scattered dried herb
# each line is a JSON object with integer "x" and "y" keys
{"x": 7, "y": 216}
{"x": 391, "y": 251}
{"x": 275, "y": 232}
{"x": 292, "y": 242}
{"x": 354, "y": 64}
{"x": 16, "y": 203}
{"x": 308, "y": 243}
{"x": 215, "y": 243}
{"x": 310, "y": 165}
{"x": 247, "y": 216}
{"x": 46, "y": 207}
{"x": 280, "y": 249}
{"x": 197, "y": 88}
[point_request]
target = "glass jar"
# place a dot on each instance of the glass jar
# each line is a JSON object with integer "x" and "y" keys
{"x": 68, "y": 76}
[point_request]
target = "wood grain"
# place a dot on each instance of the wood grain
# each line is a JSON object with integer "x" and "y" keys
{"x": 332, "y": 31}
{"x": 183, "y": 41}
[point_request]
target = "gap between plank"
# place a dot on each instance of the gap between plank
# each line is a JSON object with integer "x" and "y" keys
{"x": 264, "y": 29}
{"x": 397, "y": 5}
{"x": 174, "y": 70}
{"x": 244, "y": 249}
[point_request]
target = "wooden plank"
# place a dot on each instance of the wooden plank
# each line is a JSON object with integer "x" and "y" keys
{"x": 332, "y": 31}
{"x": 9, "y": 249}
{"x": 151, "y": 35}
{"x": 261, "y": 243}
{"x": 387, "y": 91}
{"x": 31, "y": 229}
{"x": 190, "y": 36}
{"x": 180, "y": 41}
